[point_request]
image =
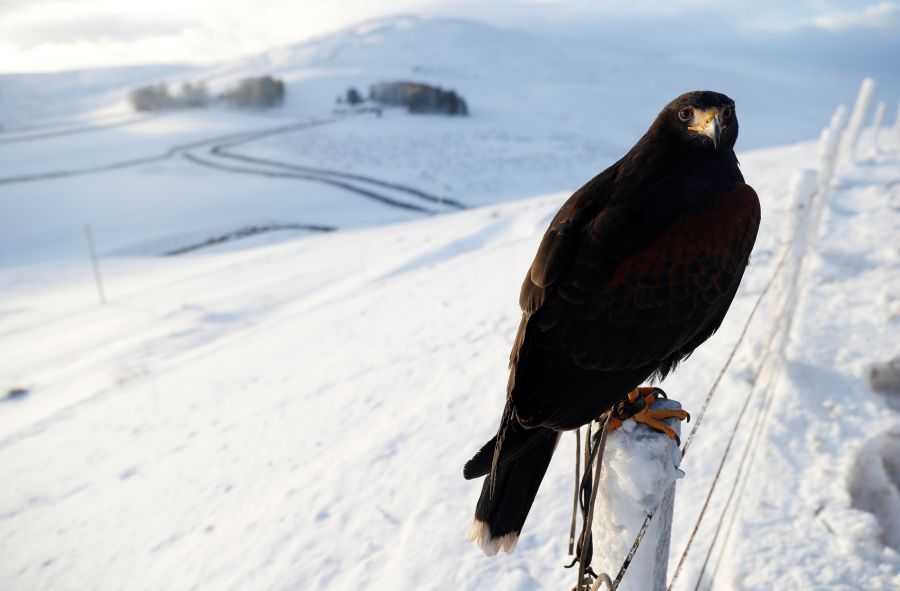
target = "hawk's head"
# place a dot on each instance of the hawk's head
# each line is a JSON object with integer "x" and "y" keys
{"x": 702, "y": 118}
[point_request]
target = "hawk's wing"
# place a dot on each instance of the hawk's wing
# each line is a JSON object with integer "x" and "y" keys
{"x": 557, "y": 252}
{"x": 599, "y": 297}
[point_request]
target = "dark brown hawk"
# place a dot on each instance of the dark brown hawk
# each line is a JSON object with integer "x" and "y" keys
{"x": 636, "y": 270}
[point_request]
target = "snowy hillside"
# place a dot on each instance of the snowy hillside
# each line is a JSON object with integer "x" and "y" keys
{"x": 296, "y": 416}
{"x": 547, "y": 114}
{"x": 309, "y": 314}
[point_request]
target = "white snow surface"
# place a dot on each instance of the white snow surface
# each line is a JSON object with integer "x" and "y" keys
{"x": 295, "y": 416}
{"x": 293, "y": 410}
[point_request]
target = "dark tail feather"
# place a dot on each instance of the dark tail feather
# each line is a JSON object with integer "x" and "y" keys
{"x": 508, "y": 493}
{"x": 517, "y": 441}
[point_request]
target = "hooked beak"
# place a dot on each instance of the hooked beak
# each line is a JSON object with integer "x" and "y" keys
{"x": 708, "y": 123}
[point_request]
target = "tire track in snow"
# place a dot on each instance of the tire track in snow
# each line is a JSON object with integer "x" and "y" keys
{"x": 168, "y": 154}
{"x": 308, "y": 177}
{"x": 64, "y": 131}
{"x": 353, "y": 183}
{"x": 325, "y": 172}
{"x": 247, "y": 232}
{"x": 344, "y": 180}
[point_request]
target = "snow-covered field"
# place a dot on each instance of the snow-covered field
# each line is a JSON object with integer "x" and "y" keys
{"x": 297, "y": 415}
{"x": 293, "y": 410}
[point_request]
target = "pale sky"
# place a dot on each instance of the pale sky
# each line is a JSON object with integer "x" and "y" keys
{"x": 50, "y": 35}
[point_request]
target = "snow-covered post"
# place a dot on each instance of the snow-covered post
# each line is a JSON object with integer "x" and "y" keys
{"x": 838, "y": 118}
{"x": 860, "y": 109}
{"x": 640, "y": 467}
{"x": 829, "y": 150}
{"x": 98, "y": 279}
{"x": 897, "y": 124}
{"x": 876, "y": 125}
{"x": 803, "y": 185}
{"x": 829, "y": 158}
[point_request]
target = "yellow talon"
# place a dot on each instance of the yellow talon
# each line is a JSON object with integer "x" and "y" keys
{"x": 646, "y": 392}
{"x": 651, "y": 418}
{"x": 638, "y": 405}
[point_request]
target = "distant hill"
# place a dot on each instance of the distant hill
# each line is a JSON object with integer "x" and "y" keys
{"x": 574, "y": 86}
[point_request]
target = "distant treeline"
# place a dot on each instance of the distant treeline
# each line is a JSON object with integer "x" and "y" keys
{"x": 259, "y": 93}
{"x": 415, "y": 96}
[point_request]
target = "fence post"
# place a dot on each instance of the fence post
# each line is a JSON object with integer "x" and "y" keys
{"x": 860, "y": 109}
{"x": 876, "y": 125}
{"x": 98, "y": 280}
{"x": 640, "y": 467}
{"x": 897, "y": 124}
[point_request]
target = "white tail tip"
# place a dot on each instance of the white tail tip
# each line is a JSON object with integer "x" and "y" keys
{"x": 480, "y": 533}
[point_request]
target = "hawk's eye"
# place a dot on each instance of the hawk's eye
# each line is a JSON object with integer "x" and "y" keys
{"x": 686, "y": 114}
{"x": 727, "y": 112}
